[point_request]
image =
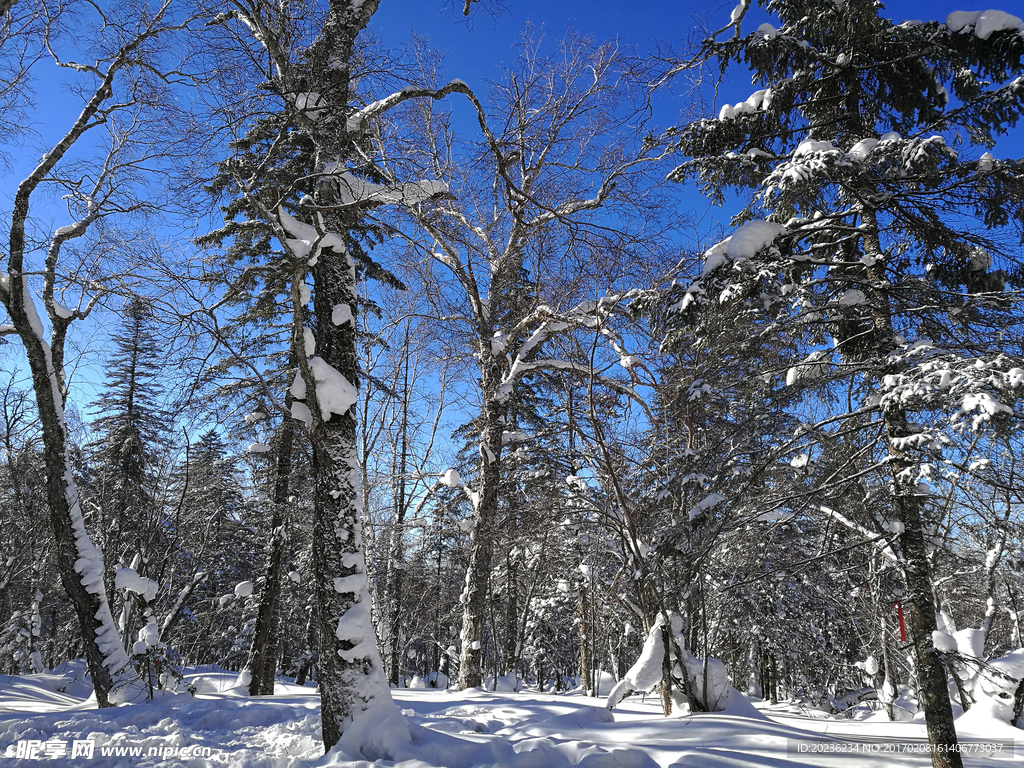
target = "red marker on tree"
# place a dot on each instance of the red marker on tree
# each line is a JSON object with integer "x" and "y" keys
{"x": 899, "y": 613}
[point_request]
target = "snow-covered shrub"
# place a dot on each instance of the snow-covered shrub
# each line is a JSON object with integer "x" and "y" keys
{"x": 705, "y": 686}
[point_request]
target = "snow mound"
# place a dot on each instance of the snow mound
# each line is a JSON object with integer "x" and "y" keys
{"x": 985, "y": 23}
{"x": 451, "y": 479}
{"x": 744, "y": 243}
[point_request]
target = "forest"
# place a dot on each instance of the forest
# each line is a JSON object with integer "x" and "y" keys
{"x": 323, "y": 368}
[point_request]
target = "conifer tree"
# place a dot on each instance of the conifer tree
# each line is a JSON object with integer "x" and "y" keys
{"x": 131, "y": 428}
{"x": 871, "y": 238}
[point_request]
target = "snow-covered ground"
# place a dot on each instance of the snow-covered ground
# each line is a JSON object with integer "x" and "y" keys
{"x": 452, "y": 729}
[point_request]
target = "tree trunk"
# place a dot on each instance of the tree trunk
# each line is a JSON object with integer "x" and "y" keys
{"x": 511, "y": 615}
{"x": 584, "y": 643}
{"x": 79, "y": 560}
{"x": 351, "y": 674}
{"x": 355, "y": 700}
{"x": 931, "y": 673}
{"x": 396, "y": 548}
{"x": 889, "y": 675}
{"x": 266, "y": 616}
{"x": 309, "y": 653}
{"x": 666, "y": 668}
{"x": 481, "y": 543}
{"x": 1018, "y": 704}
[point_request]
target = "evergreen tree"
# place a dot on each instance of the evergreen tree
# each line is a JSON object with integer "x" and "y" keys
{"x": 871, "y": 239}
{"x": 132, "y": 431}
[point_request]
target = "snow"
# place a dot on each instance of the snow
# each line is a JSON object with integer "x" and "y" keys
{"x": 852, "y": 297}
{"x": 768, "y": 31}
{"x": 355, "y": 190}
{"x": 334, "y": 393}
{"x": 813, "y": 366}
{"x": 709, "y": 501}
{"x": 257, "y": 448}
{"x": 451, "y": 479}
{"x": 341, "y": 314}
{"x": 61, "y": 311}
{"x": 986, "y": 406}
{"x": 862, "y": 148}
{"x": 128, "y": 579}
{"x": 985, "y": 23}
{"x": 970, "y": 642}
{"x": 252, "y": 418}
{"x": 739, "y": 10}
{"x": 810, "y": 146}
{"x": 307, "y": 241}
{"x": 744, "y": 243}
{"x": 243, "y": 589}
{"x": 800, "y": 461}
{"x": 308, "y": 103}
{"x": 943, "y": 641}
{"x": 453, "y": 729}
{"x": 301, "y": 412}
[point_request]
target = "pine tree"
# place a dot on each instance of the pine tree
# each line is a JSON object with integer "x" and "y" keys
{"x": 132, "y": 429}
{"x": 871, "y": 238}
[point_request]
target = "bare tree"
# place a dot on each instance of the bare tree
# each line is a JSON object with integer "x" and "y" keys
{"x": 117, "y": 87}
{"x": 523, "y": 211}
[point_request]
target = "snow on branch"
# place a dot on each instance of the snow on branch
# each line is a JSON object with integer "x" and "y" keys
{"x": 588, "y": 315}
{"x": 356, "y": 191}
{"x": 521, "y": 369}
{"x": 357, "y": 123}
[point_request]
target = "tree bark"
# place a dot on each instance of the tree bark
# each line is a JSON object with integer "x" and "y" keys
{"x": 396, "y": 549}
{"x": 78, "y": 559}
{"x": 511, "y": 614}
{"x": 584, "y": 643}
{"x": 266, "y": 616}
{"x": 931, "y": 673}
{"x": 485, "y": 528}
{"x": 889, "y": 676}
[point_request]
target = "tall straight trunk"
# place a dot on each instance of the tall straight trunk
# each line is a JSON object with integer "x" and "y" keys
{"x": 308, "y": 654}
{"x": 270, "y": 657}
{"x": 484, "y": 532}
{"x": 889, "y": 675}
{"x": 584, "y": 629}
{"x": 351, "y": 674}
{"x": 354, "y": 695}
{"x": 396, "y": 553}
{"x": 266, "y": 617}
{"x": 931, "y": 673}
{"x": 511, "y": 615}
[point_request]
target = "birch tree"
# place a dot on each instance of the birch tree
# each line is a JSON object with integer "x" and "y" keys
{"x": 120, "y": 86}
{"x": 560, "y": 141}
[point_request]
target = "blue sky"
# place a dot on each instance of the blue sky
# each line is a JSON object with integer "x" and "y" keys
{"x": 479, "y": 48}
